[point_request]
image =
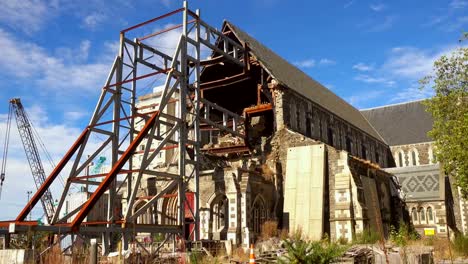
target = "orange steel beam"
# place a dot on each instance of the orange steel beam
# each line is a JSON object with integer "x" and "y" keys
{"x": 152, "y": 20}
{"x": 164, "y": 148}
{"x": 37, "y": 196}
{"x": 224, "y": 82}
{"x": 25, "y": 223}
{"x": 258, "y": 108}
{"x": 112, "y": 174}
{"x": 122, "y": 119}
{"x": 164, "y": 30}
{"x": 135, "y": 79}
{"x": 171, "y": 101}
{"x": 101, "y": 175}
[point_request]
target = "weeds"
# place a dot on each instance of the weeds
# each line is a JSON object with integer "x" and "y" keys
{"x": 368, "y": 236}
{"x": 300, "y": 250}
{"x": 403, "y": 235}
{"x": 460, "y": 244}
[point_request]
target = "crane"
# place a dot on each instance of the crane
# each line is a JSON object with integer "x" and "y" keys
{"x": 32, "y": 153}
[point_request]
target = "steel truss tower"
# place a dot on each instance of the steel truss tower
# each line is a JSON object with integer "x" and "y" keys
{"x": 114, "y": 123}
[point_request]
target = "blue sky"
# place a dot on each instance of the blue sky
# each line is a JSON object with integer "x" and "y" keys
{"x": 56, "y": 54}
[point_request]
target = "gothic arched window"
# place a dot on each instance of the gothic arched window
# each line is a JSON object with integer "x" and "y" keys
{"x": 422, "y": 215}
{"x": 430, "y": 214}
{"x": 414, "y": 215}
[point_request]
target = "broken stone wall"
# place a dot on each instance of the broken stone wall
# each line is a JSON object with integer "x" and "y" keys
{"x": 250, "y": 200}
{"x": 347, "y": 202}
{"x": 299, "y": 114}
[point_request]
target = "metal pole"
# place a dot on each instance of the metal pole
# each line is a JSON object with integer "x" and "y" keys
{"x": 30, "y": 209}
{"x": 87, "y": 174}
{"x": 197, "y": 136}
{"x": 182, "y": 128}
{"x": 93, "y": 252}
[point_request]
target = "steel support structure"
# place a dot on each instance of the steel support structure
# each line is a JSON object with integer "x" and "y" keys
{"x": 114, "y": 126}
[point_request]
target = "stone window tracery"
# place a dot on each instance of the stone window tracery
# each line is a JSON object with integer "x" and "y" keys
{"x": 258, "y": 215}
{"x": 414, "y": 215}
{"x": 430, "y": 215}
{"x": 422, "y": 215}
{"x": 220, "y": 213}
{"x": 413, "y": 157}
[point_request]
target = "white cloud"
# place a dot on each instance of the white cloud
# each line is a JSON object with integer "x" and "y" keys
{"x": 29, "y": 61}
{"x": 359, "y": 100}
{"x": 363, "y": 67}
{"x": 74, "y": 55}
{"x": 457, "y": 25}
{"x": 434, "y": 20}
{"x": 57, "y": 139}
{"x": 348, "y": 4}
{"x": 18, "y": 180}
{"x": 411, "y": 62}
{"x": 412, "y": 93}
{"x": 326, "y": 61}
{"x": 26, "y": 15}
{"x": 377, "y": 7}
{"x": 74, "y": 115}
{"x": 308, "y": 63}
{"x": 458, "y": 4}
{"x": 166, "y": 3}
{"x": 92, "y": 21}
{"x": 374, "y": 80}
{"x": 386, "y": 24}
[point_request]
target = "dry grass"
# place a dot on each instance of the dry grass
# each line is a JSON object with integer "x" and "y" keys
{"x": 239, "y": 254}
{"x": 269, "y": 229}
{"x": 443, "y": 248}
{"x": 54, "y": 256}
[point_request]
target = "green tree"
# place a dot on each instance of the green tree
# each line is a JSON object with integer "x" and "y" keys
{"x": 449, "y": 108}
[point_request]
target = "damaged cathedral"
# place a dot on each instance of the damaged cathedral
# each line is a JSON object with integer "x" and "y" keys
{"x": 296, "y": 154}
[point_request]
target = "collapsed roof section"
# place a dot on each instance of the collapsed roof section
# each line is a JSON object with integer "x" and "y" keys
{"x": 283, "y": 72}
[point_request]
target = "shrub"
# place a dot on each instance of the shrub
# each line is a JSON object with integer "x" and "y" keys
{"x": 461, "y": 244}
{"x": 403, "y": 235}
{"x": 368, "y": 236}
{"x": 299, "y": 250}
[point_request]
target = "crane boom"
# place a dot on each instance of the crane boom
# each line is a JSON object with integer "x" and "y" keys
{"x": 5, "y": 148}
{"x": 32, "y": 154}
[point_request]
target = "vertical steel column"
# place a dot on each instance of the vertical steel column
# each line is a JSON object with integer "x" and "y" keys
{"x": 133, "y": 112}
{"x": 183, "y": 127}
{"x": 115, "y": 141}
{"x": 196, "y": 127}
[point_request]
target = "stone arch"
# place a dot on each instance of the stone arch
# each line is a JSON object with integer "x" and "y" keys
{"x": 258, "y": 214}
{"x": 400, "y": 158}
{"x": 413, "y": 156}
{"x": 430, "y": 215}
{"x": 169, "y": 209}
{"x": 422, "y": 215}
{"x": 414, "y": 215}
{"x": 146, "y": 217}
{"x": 219, "y": 216}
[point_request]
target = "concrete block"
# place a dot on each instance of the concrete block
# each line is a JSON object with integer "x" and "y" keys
{"x": 16, "y": 256}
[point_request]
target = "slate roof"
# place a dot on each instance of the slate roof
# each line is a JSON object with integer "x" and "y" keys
{"x": 290, "y": 76}
{"x": 401, "y": 124}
